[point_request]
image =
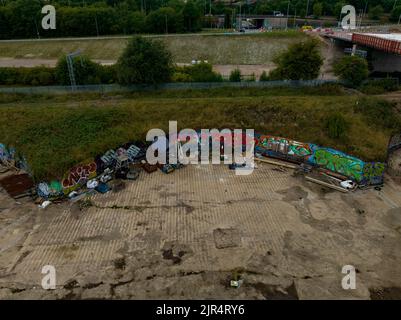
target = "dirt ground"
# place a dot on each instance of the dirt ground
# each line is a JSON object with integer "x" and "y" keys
{"x": 186, "y": 234}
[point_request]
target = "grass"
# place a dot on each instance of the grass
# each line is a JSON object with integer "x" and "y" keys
{"x": 217, "y": 49}
{"x": 57, "y": 132}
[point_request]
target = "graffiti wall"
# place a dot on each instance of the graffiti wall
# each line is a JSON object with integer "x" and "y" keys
{"x": 282, "y": 148}
{"x": 77, "y": 176}
{"x": 338, "y": 162}
{"x": 327, "y": 158}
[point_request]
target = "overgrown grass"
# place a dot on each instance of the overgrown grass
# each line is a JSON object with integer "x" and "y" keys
{"x": 217, "y": 49}
{"x": 57, "y": 132}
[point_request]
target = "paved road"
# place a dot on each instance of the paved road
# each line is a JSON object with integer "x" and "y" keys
{"x": 124, "y": 37}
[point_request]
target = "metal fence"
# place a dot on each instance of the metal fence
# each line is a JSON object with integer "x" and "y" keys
{"x": 107, "y": 88}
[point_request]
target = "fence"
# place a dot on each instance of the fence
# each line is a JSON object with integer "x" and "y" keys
{"x": 107, "y": 88}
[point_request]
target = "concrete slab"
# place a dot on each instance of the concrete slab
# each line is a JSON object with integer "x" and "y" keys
{"x": 186, "y": 234}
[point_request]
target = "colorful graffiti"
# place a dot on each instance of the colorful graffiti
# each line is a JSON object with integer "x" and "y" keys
{"x": 77, "y": 176}
{"x": 283, "y": 146}
{"x": 373, "y": 172}
{"x": 330, "y": 159}
{"x": 338, "y": 162}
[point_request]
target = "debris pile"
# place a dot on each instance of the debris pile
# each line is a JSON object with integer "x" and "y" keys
{"x": 14, "y": 173}
{"x": 107, "y": 171}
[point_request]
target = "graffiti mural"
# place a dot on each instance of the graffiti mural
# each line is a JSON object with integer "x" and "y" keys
{"x": 373, "y": 172}
{"x": 77, "y": 176}
{"x": 338, "y": 162}
{"x": 277, "y": 146}
{"x": 327, "y": 158}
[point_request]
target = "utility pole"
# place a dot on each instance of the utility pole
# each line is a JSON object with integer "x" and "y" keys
{"x": 97, "y": 27}
{"x": 37, "y": 30}
{"x": 363, "y": 13}
{"x": 399, "y": 19}
{"x": 307, "y": 9}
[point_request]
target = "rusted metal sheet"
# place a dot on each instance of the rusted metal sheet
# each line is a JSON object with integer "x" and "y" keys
{"x": 386, "y": 43}
{"x": 17, "y": 184}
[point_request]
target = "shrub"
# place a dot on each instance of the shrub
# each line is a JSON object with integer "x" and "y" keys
{"x": 42, "y": 76}
{"x": 181, "y": 77}
{"x": 235, "y": 75}
{"x": 144, "y": 61}
{"x": 302, "y": 61}
{"x": 336, "y": 126}
{"x": 264, "y": 76}
{"x": 352, "y": 69}
{"x": 251, "y": 78}
{"x": 201, "y": 72}
{"x": 85, "y": 71}
{"x": 379, "y": 86}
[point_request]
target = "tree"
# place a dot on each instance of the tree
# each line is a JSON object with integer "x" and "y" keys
{"x": 317, "y": 9}
{"x": 375, "y": 13}
{"x": 352, "y": 69}
{"x": 235, "y": 75}
{"x": 164, "y": 20}
{"x": 191, "y": 15}
{"x": 395, "y": 14}
{"x": 302, "y": 61}
{"x": 144, "y": 61}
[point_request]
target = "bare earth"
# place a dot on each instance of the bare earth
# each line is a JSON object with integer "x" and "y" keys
{"x": 184, "y": 235}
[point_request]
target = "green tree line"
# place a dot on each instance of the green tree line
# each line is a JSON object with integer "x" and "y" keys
{"x": 22, "y": 18}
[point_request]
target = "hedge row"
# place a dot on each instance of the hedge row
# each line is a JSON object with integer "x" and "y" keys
{"x": 89, "y": 72}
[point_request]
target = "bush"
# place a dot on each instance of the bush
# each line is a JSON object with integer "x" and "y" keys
{"x": 181, "y": 77}
{"x": 352, "y": 69}
{"x": 201, "y": 72}
{"x": 144, "y": 61}
{"x": 380, "y": 86}
{"x": 235, "y": 75}
{"x": 264, "y": 76}
{"x": 37, "y": 76}
{"x": 302, "y": 61}
{"x": 251, "y": 78}
{"x": 336, "y": 126}
{"x": 85, "y": 71}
